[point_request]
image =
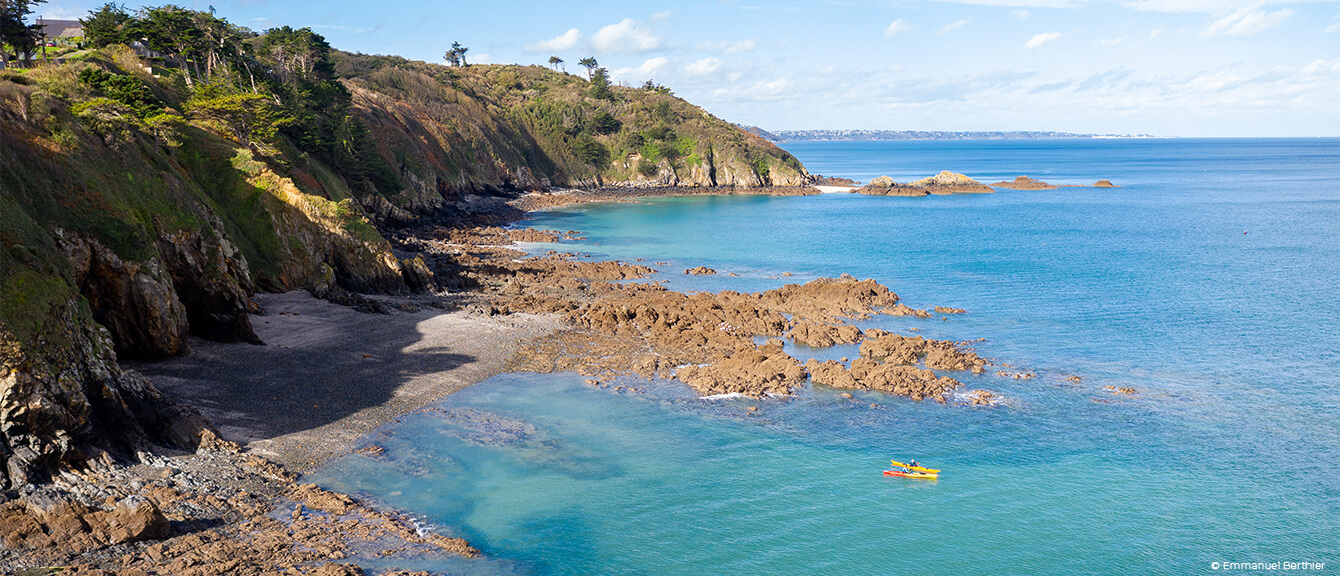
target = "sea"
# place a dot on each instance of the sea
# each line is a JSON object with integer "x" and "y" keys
{"x": 1208, "y": 281}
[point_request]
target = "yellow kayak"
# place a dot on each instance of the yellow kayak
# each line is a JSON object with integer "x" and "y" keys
{"x": 917, "y": 468}
{"x": 917, "y": 475}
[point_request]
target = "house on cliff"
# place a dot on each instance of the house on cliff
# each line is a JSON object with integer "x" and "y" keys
{"x": 60, "y": 29}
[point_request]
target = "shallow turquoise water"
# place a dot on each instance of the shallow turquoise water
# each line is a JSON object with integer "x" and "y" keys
{"x": 1230, "y": 453}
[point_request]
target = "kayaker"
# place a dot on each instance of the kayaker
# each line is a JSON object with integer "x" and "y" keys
{"x": 912, "y": 464}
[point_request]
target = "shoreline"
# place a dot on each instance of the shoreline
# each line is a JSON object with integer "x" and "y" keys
{"x": 330, "y": 375}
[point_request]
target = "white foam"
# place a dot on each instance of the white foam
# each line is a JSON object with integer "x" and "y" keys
{"x": 723, "y": 396}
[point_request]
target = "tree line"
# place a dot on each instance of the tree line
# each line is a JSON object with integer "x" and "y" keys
{"x": 254, "y": 86}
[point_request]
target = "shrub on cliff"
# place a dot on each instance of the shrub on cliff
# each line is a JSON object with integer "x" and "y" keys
{"x": 253, "y": 119}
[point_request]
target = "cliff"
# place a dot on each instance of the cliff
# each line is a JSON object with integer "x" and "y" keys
{"x": 448, "y": 132}
{"x": 117, "y": 243}
{"x": 139, "y": 207}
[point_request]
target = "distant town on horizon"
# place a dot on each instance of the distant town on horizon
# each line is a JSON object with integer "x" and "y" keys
{"x": 834, "y": 135}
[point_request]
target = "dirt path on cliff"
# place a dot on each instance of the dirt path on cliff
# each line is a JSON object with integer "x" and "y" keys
{"x": 329, "y": 375}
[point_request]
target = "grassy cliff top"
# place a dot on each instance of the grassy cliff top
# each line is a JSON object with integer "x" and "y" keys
{"x": 565, "y": 128}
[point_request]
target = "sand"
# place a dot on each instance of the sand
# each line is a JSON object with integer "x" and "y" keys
{"x": 329, "y": 375}
{"x": 836, "y": 189}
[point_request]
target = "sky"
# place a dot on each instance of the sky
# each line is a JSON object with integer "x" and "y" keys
{"x": 1190, "y": 68}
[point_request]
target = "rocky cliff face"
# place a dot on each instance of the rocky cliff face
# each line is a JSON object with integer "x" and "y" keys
{"x": 125, "y": 247}
{"x": 451, "y": 133}
{"x": 64, "y": 401}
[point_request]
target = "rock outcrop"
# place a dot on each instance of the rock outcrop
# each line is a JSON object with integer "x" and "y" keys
{"x": 1024, "y": 183}
{"x": 945, "y": 182}
{"x": 820, "y": 335}
{"x": 752, "y": 371}
{"x": 64, "y": 400}
{"x": 76, "y": 527}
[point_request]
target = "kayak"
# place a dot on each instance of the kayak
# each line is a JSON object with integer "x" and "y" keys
{"x": 917, "y": 468}
{"x": 917, "y": 475}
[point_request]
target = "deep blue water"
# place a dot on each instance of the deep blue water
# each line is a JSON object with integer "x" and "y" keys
{"x": 1208, "y": 281}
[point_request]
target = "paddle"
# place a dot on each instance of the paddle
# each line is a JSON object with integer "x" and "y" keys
{"x": 917, "y": 468}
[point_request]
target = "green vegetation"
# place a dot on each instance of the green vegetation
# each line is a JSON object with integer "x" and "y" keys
{"x": 456, "y": 56}
{"x": 563, "y": 128}
{"x": 108, "y": 26}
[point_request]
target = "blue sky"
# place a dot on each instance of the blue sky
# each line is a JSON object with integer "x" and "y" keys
{"x": 1164, "y": 67}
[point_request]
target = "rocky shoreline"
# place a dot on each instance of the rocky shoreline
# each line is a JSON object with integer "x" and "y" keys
{"x": 229, "y": 509}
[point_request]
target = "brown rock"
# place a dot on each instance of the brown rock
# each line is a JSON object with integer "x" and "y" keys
{"x": 981, "y": 398}
{"x": 832, "y": 374}
{"x": 135, "y": 519}
{"x": 700, "y": 271}
{"x": 1104, "y": 184}
{"x": 316, "y": 498}
{"x": 817, "y": 335}
{"x": 754, "y": 372}
{"x": 947, "y": 310}
{"x": 417, "y": 275}
{"x": 533, "y": 235}
{"x": 1024, "y": 183}
{"x": 333, "y": 569}
{"x": 945, "y": 182}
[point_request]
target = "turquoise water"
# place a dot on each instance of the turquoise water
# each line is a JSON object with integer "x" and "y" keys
{"x": 1229, "y": 453}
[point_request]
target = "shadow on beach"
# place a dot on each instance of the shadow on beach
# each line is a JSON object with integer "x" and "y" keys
{"x": 329, "y": 374}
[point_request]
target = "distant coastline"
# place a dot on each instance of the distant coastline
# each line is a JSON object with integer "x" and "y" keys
{"x": 849, "y": 135}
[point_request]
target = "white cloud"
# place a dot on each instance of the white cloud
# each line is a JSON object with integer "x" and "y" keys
{"x": 659, "y": 16}
{"x": 564, "y": 41}
{"x": 1040, "y": 39}
{"x": 727, "y": 47}
{"x": 628, "y": 35}
{"x": 482, "y": 58}
{"x": 1020, "y": 14}
{"x": 1332, "y": 28}
{"x": 1247, "y": 22}
{"x": 1155, "y": 33}
{"x": 703, "y": 67}
{"x": 648, "y": 69}
{"x": 1322, "y": 67}
{"x": 761, "y": 90}
{"x": 1200, "y": 6}
{"x": 1022, "y": 3}
{"x": 897, "y": 27}
{"x": 1110, "y": 41}
{"x": 741, "y": 46}
{"x": 952, "y": 26}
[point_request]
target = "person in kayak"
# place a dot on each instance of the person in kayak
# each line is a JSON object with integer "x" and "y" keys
{"x": 912, "y": 463}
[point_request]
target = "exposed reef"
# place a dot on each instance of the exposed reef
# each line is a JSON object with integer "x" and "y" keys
{"x": 945, "y": 182}
{"x": 1024, "y": 183}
